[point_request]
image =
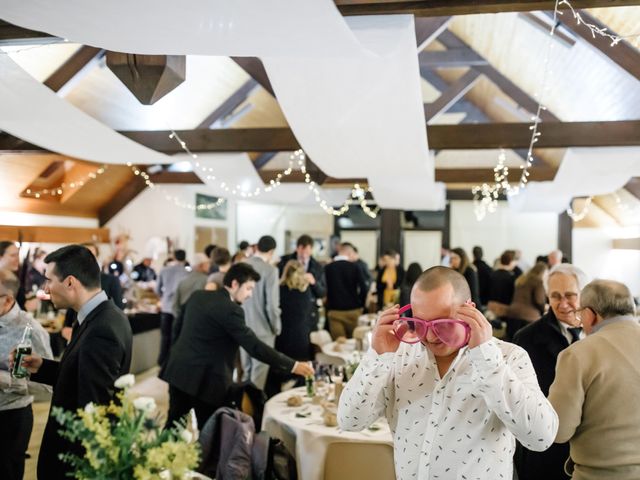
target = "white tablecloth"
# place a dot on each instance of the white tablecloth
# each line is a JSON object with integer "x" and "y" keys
{"x": 308, "y": 438}
{"x": 343, "y": 350}
{"x": 367, "y": 319}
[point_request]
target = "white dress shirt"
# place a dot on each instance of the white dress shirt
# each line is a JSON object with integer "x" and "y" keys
{"x": 461, "y": 426}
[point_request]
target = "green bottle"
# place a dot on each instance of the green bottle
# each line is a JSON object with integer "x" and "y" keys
{"x": 22, "y": 350}
{"x": 311, "y": 391}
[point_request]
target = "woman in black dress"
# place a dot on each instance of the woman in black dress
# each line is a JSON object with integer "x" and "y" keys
{"x": 295, "y": 305}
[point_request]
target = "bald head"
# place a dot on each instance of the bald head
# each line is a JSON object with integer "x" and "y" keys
{"x": 608, "y": 298}
{"x": 436, "y": 277}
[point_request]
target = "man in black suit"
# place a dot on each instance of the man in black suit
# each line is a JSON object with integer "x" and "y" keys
{"x": 99, "y": 351}
{"x": 315, "y": 273}
{"x": 544, "y": 340}
{"x": 200, "y": 365}
{"x": 108, "y": 282}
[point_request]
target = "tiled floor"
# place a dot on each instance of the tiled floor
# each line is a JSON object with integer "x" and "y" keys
{"x": 147, "y": 384}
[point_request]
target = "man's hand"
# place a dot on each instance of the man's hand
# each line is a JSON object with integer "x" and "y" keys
{"x": 304, "y": 369}
{"x": 481, "y": 330}
{"x": 30, "y": 362}
{"x": 383, "y": 339}
{"x": 310, "y": 278}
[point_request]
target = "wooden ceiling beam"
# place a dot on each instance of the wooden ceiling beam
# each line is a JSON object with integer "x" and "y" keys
{"x": 13, "y": 35}
{"x": 633, "y": 187}
{"x": 455, "y": 92}
{"x": 433, "y": 8}
{"x": 263, "y": 159}
{"x": 131, "y": 190}
{"x": 623, "y": 54}
{"x": 72, "y": 67}
{"x": 230, "y": 104}
{"x": 446, "y": 175}
{"x": 451, "y": 40}
{"x": 55, "y": 234}
{"x": 428, "y": 29}
{"x": 441, "y": 137}
{"x": 452, "y": 58}
{"x": 254, "y": 67}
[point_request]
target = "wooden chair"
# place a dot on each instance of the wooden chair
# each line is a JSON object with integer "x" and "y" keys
{"x": 359, "y": 461}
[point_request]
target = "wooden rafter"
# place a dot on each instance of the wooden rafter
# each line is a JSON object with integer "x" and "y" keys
{"x": 72, "y": 67}
{"x": 451, "y": 40}
{"x": 446, "y": 175}
{"x": 230, "y": 104}
{"x": 633, "y": 187}
{"x": 131, "y": 190}
{"x": 431, "y": 8}
{"x": 428, "y": 29}
{"x": 441, "y": 137}
{"x": 452, "y": 58}
{"x": 254, "y": 67}
{"x": 623, "y": 54}
{"x": 455, "y": 92}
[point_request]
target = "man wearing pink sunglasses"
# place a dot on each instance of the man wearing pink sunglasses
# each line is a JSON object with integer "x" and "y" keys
{"x": 455, "y": 397}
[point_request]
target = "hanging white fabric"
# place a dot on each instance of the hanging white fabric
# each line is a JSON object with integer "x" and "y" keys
{"x": 583, "y": 172}
{"x": 351, "y": 93}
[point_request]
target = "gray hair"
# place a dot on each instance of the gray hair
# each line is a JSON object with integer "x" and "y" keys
{"x": 9, "y": 283}
{"x": 566, "y": 269}
{"x": 608, "y": 298}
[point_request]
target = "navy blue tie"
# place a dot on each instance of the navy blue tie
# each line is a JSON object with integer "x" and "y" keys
{"x": 575, "y": 333}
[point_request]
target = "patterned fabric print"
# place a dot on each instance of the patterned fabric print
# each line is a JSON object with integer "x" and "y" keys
{"x": 461, "y": 426}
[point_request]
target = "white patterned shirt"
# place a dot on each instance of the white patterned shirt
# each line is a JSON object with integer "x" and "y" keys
{"x": 461, "y": 426}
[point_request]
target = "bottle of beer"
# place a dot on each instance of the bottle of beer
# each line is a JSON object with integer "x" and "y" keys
{"x": 308, "y": 381}
{"x": 23, "y": 349}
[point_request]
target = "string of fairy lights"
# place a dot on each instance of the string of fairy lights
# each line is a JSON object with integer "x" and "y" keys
{"x": 485, "y": 196}
{"x": 296, "y": 162}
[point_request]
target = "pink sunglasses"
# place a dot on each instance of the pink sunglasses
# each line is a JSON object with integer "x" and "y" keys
{"x": 454, "y": 333}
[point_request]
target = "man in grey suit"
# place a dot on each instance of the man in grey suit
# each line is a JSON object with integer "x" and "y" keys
{"x": 262, "y": 310}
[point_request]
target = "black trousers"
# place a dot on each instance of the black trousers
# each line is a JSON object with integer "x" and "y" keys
{"x": 15, "y": 431}
{"x": 166, "y": 327}
{"x": 181, "y": 402}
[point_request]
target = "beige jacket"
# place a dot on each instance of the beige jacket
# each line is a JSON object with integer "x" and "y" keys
{"x": 596, "y": 393}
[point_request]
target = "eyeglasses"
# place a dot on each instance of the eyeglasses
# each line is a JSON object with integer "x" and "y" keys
{"x": 568, "y": 296}
{"x": 578, "y": 312}
{"x": 454, "y": 333}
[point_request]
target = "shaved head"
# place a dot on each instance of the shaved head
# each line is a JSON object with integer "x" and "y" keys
{"x": 435, "y": 277}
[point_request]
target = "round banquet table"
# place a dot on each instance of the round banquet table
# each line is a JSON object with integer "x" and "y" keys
{"x": 306, "y": 437}
{"x": 343, "y": 350}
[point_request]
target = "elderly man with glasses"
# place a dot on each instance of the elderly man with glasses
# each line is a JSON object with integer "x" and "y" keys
{"x": 16, "y": 416}
{"x": 597, "y": 387}
{"x": 544, "y": 340}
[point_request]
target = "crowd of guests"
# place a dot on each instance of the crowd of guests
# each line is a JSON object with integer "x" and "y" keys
{"x": 558, "y": 385}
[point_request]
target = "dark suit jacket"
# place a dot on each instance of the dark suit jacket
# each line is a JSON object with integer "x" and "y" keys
{"x": 346, "y": 286}
{"x": 319, "y": 290}
{"x": 111, "y": 286}
{"x": 543, "y": 340}
{"x": 99, "y": 352}
{"x": 202, "y": 359}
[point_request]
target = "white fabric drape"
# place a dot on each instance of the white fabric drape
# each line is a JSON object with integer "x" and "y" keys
{"x": 583, "y": 172}
{"x": 350, "y": 90}
{"x": 32, "y": 112}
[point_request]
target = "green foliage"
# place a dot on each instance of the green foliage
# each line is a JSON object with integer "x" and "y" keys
{"x": 124, "y": 441}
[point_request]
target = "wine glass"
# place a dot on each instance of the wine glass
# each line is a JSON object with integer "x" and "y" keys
{"x": 336, "y": 373}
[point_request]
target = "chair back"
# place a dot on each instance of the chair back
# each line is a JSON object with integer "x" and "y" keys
{"x": 325, "y": 359}
{"x": 359, "y": 461}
